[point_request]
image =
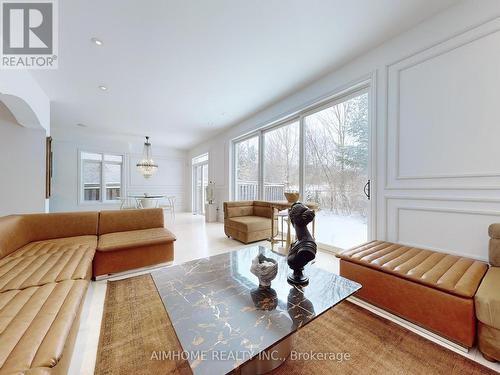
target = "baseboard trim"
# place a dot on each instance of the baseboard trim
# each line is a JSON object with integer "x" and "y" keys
{"x": 128, "y": 273}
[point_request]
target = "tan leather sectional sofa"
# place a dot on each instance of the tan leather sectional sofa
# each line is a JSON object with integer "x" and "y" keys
{"x": 488, "y": 301}
{"x": 46, "y": 263}
{"x": 131, "y": 239}
{"x": 431, "y": 289}
{"x": 248, "y": 221}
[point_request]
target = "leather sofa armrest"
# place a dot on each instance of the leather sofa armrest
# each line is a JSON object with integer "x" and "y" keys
{"x": 494, "y": 246}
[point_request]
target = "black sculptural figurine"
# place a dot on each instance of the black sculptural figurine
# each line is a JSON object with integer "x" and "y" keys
{"x": 303, "y": 250}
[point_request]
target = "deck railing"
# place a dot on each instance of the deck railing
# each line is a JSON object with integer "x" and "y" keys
{"x": 250, "y": 191}
{"x": 92, "y": 192}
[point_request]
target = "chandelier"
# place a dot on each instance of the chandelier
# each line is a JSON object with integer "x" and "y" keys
{"x": 147, "y": 166}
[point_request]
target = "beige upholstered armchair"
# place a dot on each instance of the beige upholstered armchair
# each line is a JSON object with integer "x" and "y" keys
{"x": 248, "y": 221}
{"x": 487, "y": 301}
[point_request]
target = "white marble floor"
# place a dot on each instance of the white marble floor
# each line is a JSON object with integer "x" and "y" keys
{"x": 197, "y": 239}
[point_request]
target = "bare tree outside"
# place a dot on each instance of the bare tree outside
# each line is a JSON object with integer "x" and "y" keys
{"x": 336, "y": 144}
{"x": 247, "y": 168}
{"x": 281, "y": 161}
{"x": 336, "y": 168}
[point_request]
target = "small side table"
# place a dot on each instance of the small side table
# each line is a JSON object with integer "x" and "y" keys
{"x": 282, "y": 216}
{"x": 278, "y": 206}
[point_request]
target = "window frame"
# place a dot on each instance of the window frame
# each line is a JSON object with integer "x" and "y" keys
{"x": 352, "y": 90}
{"x": 364, "y": 84}
{"x": 102, "y": 162}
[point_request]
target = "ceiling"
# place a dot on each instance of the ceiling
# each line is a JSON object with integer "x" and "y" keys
{"x": 181, "y": 71}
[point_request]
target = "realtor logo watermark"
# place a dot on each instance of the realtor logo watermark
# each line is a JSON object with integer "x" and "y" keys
{"x": 29, "y": 34}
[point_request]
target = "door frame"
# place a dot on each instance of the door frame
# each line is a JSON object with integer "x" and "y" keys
{"x": 368, "y": 87}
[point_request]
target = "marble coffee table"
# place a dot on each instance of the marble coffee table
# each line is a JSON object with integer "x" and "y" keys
{"x": 224, "y": 321}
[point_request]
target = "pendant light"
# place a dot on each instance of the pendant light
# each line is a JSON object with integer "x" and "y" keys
{"x": 147, "y": 166}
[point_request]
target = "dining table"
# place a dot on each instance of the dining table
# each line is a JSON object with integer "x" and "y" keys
{"x": 147, "y": 200}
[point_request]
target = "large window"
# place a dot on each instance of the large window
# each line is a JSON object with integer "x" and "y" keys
{"x": 321, "y": 152}
{"x": 281, "y": 161}
{"x": 100, "y": 177}
{"x": 246, "y": 155}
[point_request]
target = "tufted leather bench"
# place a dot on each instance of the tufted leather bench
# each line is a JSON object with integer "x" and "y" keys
{"x": 432, "y": 289}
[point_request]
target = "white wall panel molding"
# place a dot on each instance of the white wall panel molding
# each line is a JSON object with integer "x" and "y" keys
{"x": 454, "y": 225}
{"x": 442, "y": 198}
{"x": 452, "y": 85}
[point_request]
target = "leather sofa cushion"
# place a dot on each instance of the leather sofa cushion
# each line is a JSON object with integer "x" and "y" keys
{"x": 35, "y": 323}
{"x": 43, "y": 262}
{"x": 452, "y": 274}
{"x": 487, "y": 299}
{"x": 249, "y": 223}
{"x": 129, "y": 220}
{"x": 135, "y": 238}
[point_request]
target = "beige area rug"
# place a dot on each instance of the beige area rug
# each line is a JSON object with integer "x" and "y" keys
{"x": 135, "y": 324}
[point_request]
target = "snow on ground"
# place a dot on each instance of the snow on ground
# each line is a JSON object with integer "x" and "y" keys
{"x": 340, "y": 231}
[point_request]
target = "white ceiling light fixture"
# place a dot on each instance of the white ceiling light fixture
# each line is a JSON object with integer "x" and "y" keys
{"x": 96, "y": 41}
{"x": 102, "y": 88}
{"x": 147, "y": 166}
{"x": 81, "y": 125}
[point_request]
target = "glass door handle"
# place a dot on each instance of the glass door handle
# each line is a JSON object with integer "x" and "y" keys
{"x": 366, "y": 189}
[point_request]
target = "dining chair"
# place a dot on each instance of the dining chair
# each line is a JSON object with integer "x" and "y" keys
{"x": 169, "y": 205}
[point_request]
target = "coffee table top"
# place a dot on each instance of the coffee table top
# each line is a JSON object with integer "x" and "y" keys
{"x": 223, "y": 319}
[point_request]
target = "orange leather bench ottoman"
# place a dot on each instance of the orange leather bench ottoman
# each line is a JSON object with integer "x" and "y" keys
{"x": 431, "y": 289}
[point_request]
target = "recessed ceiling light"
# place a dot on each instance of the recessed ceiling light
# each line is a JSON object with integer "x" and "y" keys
{"x": 97, "y": 41}
{"x": 81, "y": 125}
{"x": 102, "y": 88}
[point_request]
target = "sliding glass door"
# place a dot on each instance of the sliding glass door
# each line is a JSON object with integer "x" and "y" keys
{"x": 336, "y": 171}
{"x": 200, "y": 183}
{"x": 246, "y": 158}
{"x": 323, "y": 153}
{"x": 281, "y": 161}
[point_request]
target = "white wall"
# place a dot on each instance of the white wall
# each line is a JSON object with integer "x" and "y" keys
{"x": 22, "y": 148}
{"x": 22, "y": 166}
{"x": 437, "y": 168}
{"x": 169, "y": 180}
